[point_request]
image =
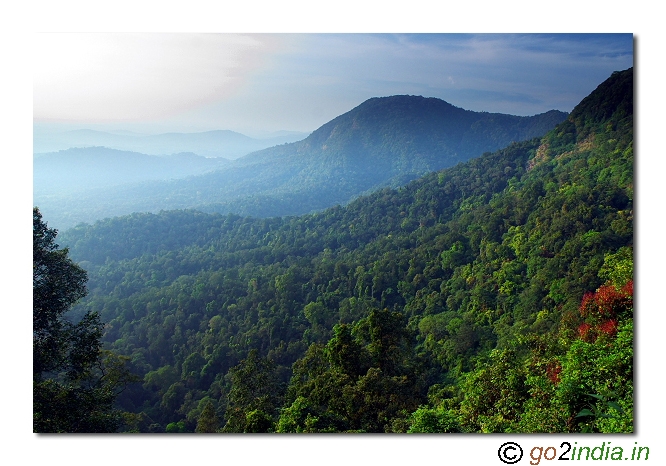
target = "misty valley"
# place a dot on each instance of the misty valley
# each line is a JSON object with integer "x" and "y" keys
{"x": 384, "y": 142}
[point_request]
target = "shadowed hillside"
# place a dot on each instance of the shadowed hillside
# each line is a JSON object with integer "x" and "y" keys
{"x": 382, "y": 142}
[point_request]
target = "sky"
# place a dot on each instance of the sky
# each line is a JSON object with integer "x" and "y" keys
{"x": 254, "y": 83}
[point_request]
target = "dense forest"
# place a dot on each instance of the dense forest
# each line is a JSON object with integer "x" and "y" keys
{"x": 492, "y": 296}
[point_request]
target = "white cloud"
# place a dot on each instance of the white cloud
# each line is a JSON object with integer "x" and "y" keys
{"x": 140, "y": 76}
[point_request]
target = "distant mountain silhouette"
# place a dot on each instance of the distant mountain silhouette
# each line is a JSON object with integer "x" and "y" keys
{"x": 384, "y": 141}
{"x": 78, "y": 169}
{"x": 219, "y": 143}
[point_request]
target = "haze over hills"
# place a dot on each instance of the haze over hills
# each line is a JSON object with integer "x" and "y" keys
{"x": 79, "y": 169}
{"x": 384, "y": 141}
{"x": 219, "y": 143}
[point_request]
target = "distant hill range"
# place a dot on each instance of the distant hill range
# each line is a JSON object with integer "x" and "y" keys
{"x": 386, "y": 141}
{"x": 220, "y": 143}
{"x": 79, "y": 169}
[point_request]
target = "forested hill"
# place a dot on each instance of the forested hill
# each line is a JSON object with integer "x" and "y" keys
{"x": 493, "y": 296}
{"x": 405, "y": 126}
{"x": 383, "y": 142}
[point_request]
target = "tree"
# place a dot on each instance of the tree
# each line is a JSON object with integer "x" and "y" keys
{"x": 255, "y": 396}
{"x": 433, "y": 420}
{"x": 208, "y": 421}
{"x": 56, "y": 284}
{"x": 75, "y": 382}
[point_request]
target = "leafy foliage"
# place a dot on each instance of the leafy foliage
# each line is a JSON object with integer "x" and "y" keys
{"x": 75, "y": 382}
{"x": 254, "y": 397}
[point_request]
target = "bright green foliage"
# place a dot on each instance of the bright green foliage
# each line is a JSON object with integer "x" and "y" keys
{"x": 176, "y": 427}
{"x": 437, "y": 420}
{"x": 618, "y": 268}
{"x": 301, "y": 417}
{"x": 494, "y": 393}
{"x": 594, "y": 377}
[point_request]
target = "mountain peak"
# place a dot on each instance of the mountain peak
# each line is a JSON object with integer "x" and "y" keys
{"x": 392, "y": 125}
{"x": 612, "y": 99}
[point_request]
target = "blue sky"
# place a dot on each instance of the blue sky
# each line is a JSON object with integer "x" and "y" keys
{"x": 267, "y": 82}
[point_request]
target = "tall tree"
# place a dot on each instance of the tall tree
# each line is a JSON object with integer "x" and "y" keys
{"x": 208, "y": 421}
{"x": 74, "y": 382}
{"x": 56, "y": 284}
{"x": 255, "y": 396}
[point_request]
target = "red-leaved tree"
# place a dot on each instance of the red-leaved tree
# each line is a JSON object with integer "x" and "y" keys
{"x": 603, "y": 309}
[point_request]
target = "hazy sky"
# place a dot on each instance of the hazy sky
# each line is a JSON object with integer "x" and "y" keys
{"x": 248, "y": 83}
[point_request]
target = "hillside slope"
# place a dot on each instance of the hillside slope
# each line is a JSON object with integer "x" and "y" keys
{"x": 382, "y": 142}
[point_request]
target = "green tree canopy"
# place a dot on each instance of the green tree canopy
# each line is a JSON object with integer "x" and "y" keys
{"x": 74, "y": 382}
{"x": 255, "y": 395}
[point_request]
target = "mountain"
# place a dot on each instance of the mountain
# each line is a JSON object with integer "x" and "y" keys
{"x": 492, "y": 296}
{"x": 79, "y": 169}
{"x": 382, "y": 142}
{"x": 219, "y": 143}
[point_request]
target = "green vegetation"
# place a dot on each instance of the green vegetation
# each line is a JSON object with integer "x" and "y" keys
{"x": 493, "y": 296}
{"x": 74, "y": 381}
